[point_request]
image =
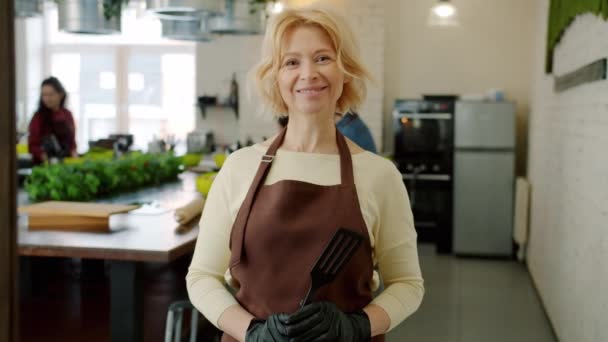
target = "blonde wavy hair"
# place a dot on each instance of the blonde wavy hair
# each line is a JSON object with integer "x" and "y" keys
{"x": 263, "y": 76}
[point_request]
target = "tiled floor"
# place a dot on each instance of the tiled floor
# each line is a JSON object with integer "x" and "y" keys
{"x": 466, "y": 300}
{"x": 475, "y": 300}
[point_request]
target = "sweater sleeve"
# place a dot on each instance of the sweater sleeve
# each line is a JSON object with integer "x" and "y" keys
{"x": 396, "y": 250}
{"x": 70, "y": 119}
{"x": 34, "y": 139}
{"x": 205, "y": 279}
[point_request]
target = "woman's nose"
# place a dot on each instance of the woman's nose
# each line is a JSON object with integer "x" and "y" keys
{"x": 309, "y": 71}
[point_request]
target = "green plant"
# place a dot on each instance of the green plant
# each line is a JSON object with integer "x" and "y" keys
{"x": 94, "y": 178}
{"x": 113, "y": 8}
{"x": 255, "y": 5}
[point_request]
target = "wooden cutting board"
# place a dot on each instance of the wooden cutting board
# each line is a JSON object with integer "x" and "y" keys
{"x": 72, "y": 216}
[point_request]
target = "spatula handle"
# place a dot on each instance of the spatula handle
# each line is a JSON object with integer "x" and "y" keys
{"x": 309, "y": 295}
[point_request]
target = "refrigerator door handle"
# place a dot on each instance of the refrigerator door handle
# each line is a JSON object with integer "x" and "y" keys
{"x": 423, "y": 116}
{"x": 427, "y": 176}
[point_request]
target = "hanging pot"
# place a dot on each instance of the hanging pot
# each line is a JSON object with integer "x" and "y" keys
{"x": 185, "y": 7}
{"x": 87, "y": 16}
{"x": 240, "y": 19}
{"x": 27, "y": 8}
{"x": 185, "y": 27}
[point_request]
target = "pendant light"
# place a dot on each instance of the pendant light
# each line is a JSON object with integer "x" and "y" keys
{"x": 87, "y": 16}
{"x": 185, "y": 7}
{"x": 27, "y": 8}
{"x": 242, "y": 17}
{"x": 185, "y": 27}
{"x": 443, "y": 14}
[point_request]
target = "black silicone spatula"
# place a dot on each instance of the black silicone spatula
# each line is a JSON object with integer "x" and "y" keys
{"x": 335, "y": 256}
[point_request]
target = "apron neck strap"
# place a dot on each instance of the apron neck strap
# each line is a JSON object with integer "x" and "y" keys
{"x": 346, "y": 163}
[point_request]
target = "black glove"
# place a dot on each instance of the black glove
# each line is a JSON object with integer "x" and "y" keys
{"x": 269, "y": 330}
{"x": 323, "y": 321}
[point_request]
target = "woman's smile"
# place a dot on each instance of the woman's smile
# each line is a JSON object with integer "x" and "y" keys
{"x": 311, "y": 90}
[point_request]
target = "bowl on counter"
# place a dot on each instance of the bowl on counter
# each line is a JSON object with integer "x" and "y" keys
{"x": 219, "y": 159}
{"x": 191, "y": 159}
{"x": 204, "y": 182}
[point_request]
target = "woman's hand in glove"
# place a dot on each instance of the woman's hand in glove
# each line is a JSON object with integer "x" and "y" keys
{"x": 323, "y": 321}
{"x": 269, "y": 330}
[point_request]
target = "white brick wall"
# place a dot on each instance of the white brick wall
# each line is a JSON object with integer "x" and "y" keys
{"x": 216, "y": 61}
{"x": 568, "y": 168}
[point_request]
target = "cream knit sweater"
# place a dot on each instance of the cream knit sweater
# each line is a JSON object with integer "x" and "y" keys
{"x": 383, "y": 200}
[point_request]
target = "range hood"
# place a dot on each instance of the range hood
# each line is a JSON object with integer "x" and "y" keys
{"x": 185, "y": 27}
{"x": 86, "y": 16}
{"x": 28, "y": 8}
{"x": 240, "y": 18}
{"x": 185, "y": 7}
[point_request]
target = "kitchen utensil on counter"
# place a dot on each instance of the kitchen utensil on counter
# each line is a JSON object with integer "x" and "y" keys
{"x": 199, "y": 142}
{"x": 332, "y": 260}
{"x": 188, "y": 226}
{"x": 189, "y": 211}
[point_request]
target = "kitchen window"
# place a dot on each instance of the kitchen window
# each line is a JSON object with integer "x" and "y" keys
{"x": 135, "y": 82}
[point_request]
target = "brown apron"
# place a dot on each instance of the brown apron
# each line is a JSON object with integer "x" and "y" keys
{"x": 280, "y": 231}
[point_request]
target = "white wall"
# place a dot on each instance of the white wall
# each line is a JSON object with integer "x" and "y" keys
{"x": 216, "y": 61}
{"x": 568, "y": 246}
{"x": 29, "y": 54}
{"x": 492, "y": 48}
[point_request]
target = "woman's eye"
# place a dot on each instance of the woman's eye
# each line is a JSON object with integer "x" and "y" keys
{"x": 323, "y": 58}
{"x": 291, "y": 62}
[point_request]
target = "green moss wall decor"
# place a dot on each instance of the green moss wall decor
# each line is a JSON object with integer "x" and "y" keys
{"x": 561, "y": 15}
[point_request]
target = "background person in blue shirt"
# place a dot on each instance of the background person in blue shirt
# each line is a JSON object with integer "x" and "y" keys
{"x": 351, "y": 126}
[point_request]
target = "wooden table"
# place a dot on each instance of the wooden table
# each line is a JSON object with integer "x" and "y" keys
{"x": 135, "y": 239}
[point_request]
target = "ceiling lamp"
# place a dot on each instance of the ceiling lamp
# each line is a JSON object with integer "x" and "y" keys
{"x": 27, "y": 8}
{"x": 275, "y": 7}
{"x": 185, "y": 7}
{"x": 192, "y": 28}
{"x": 89, "y": 16}
{"x": 241, "y": 17}
{"x": 443, "y": 14}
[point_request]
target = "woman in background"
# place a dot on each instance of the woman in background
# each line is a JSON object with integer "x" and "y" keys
{"x": 52, "y": 130}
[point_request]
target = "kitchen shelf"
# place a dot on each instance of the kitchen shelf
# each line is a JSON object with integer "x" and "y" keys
{"x": 204, "y": 106}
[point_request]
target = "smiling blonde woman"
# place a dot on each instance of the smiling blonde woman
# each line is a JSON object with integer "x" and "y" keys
{"x": 275, "y": 205}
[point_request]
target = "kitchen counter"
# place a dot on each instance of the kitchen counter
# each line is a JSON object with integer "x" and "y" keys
{"x": 145, "y": 236}
{"x": 148, "y": 236}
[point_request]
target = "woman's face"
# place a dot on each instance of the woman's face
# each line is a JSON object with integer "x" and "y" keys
{"x": 51, "y": 97}
{"x": 309, "y": 78}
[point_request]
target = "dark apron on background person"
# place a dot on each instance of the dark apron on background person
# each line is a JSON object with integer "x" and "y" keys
{"x": 280, "y": 231}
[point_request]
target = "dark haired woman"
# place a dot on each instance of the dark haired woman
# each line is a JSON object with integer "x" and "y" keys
{"x": 52, "y": 129}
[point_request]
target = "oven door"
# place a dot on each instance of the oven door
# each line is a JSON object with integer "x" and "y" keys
{"x": 431, "y": 203}
{"x": 422, "y": 132}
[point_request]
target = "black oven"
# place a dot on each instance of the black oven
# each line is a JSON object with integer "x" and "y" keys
{"x": 423, "y": 127}
{"x": 423, "y": 143}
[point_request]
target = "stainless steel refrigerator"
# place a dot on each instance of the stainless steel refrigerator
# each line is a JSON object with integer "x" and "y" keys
{"x": 484, "y": 176}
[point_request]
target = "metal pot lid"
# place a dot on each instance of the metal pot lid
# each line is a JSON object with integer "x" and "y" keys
{"x": 86, "y": 17}
{"x": 192, "y": 28}
{"x": 28, "y": 8}
{"x": 240, "y": 19}
{"x": 185, "y": 7}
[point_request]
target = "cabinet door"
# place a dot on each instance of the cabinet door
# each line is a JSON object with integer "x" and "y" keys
{"x": 483, "y": 202}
